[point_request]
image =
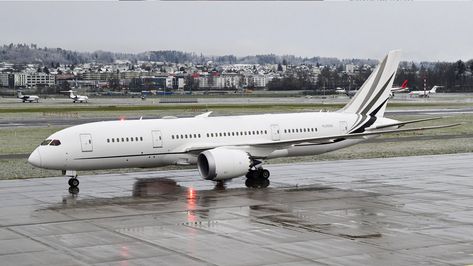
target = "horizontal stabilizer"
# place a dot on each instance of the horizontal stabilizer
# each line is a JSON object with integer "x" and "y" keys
{"x": 207, "y": 114}
{"x": 400, "y": 124}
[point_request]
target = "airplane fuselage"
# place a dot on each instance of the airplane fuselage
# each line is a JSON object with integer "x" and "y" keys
{"x": 158, "y": 142}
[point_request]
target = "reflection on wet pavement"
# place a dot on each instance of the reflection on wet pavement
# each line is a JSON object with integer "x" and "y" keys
{"x": 359, "y": 212}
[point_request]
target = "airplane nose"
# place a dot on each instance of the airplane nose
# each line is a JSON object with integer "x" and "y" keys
{"x": 35, "y": 158}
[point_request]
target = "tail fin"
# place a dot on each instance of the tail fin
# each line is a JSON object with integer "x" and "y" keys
{"x": 404, "y": 84}
{"x": 371, "y": 98}
{"x": 434, "y": 89}
{"x": 19, "y": 94}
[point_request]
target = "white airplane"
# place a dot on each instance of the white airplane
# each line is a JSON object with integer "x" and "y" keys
{"x": 27, "y": 98}
{"x": 224, "y": 147}
{"x": 403, "y": 88}
{"x": 349, "y": 93}
{"x": 425, "y": 94}
{"x": 77, "y": 98}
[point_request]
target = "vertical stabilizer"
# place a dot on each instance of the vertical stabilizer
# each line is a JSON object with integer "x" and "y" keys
{"x": 71, "y": 94}
{"x": 404, "y": 84}
{"x": 371, "y": 98}
{"x": 434, "y": 89}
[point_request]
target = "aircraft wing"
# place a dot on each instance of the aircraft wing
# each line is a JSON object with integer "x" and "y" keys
{"x": 281, "y": 144}
{"x": 334, "y": 138}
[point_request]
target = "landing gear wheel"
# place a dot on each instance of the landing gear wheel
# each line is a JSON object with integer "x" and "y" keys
{"x": 265, "y": 174}
{"x": 257, "y": 178}
{"x": 73, "y": 182}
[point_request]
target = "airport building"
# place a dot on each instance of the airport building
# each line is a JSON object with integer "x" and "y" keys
{"x": 28, "y": 80}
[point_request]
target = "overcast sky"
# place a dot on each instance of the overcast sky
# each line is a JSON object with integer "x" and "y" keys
{"x": 432, "y": 31}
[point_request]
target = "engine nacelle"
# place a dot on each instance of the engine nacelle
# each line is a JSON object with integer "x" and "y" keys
{"x": 222, "y": 163}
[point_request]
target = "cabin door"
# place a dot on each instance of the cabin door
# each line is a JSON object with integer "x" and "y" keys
{"x": 86, "y": 142}
{"x": 157, "y": 139}
{"x": 275, "y": 135}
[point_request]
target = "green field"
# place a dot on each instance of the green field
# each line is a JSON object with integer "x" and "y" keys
{"x": 17, "y": 142}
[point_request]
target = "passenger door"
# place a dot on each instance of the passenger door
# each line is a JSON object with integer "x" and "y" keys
{"x": 86, "y": 142}
{"x": 275, "y": 132}
{"x": 157, "y": 139}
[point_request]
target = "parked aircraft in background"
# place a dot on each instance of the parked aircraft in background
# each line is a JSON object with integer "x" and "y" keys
{"x": 27, "y": 98}
{"x": 425, "y": 94}
{"x": 349, "y": 93}
{"x": 403, "y": 88}
{"x": 225, "y": 147}
{"x": 77, "y": 98}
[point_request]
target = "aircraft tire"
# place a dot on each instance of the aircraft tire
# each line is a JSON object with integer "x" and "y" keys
{"x": 73, "y": 182}
{"x": 265, "y": 174}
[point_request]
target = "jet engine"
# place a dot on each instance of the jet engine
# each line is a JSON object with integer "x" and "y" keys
{"x": 223, "y": 163}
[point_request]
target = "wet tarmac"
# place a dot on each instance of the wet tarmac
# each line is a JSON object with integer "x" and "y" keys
{"x": 396, "y": 211}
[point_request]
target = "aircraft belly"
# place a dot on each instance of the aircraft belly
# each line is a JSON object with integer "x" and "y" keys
{"x": 145, "y": 161}
{"x": 321, "y": 148}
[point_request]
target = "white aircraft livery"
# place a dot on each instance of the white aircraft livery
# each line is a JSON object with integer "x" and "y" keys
{"x": 27, "y": 98}
{"x": 425, "y": 94}
{"x": 77, "y": 98}
{"x": 224, "y": 147}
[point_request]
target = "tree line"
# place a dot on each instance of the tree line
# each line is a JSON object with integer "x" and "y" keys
{"x": 455, "y": 77}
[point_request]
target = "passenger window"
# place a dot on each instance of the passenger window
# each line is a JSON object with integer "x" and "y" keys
{"x": 45, "y": 142}
{"x": 108, "y": 140}
{"x": 118, "y": 139}
{"x": 113, "y": 140}
{"x": 123, "y": 140}
{"x": 131, "y": 138}
{"x": 199, "y": 135}
{"x": 141, "y": 138}
{"x": 127, "y": 140}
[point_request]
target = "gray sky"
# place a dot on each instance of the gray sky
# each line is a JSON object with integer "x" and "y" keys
{"x": 432, "y": 31}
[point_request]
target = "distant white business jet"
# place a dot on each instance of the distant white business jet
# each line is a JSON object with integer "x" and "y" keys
{"x": 77, "y": 98}
{"x": 224, "y": 147}
{"x": 425, "y": 94}
{"x": 27, "y": 98}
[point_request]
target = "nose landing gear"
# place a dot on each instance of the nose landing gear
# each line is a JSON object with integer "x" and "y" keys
{"x": 258, "y": 178}
{"x": 73, "y": 181}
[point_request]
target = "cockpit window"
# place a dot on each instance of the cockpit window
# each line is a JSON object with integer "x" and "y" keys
{"x": 45, "y": 142}
{"x": 55, "y": 142}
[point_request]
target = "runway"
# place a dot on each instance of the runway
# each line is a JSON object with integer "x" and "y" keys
{"x": 70, "y": 121}
{"x": 396, "y": 211}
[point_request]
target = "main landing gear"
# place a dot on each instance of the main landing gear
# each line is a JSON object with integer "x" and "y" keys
{"x": 258, "y": 178}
